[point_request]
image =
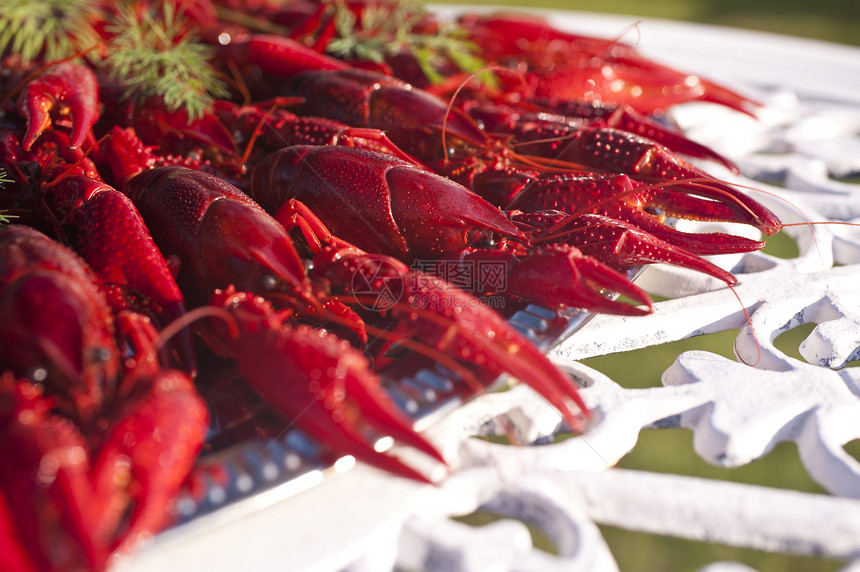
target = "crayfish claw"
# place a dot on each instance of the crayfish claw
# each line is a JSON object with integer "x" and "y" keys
{"x": 566, "y": 275}
{"x": 627, "y": 119}
{"x": 333, "y": 395}
{"x": 623, "y": 245}
{"x": 320, "y": 382}
{"x": 717, "y": 202}
{"x": 473, "y": 334}
{"x": 659, "y": 177}
{"x": 701, "y": 243}
{"x": 154, "y": 443}
{"x": 557, "y": 275}
{"x": 66, "y": 89}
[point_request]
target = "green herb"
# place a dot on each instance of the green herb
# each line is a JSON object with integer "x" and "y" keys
{"x": 387, "y": 29}
{"x": 4, "y": 218}
{"x": 47, "y": 29}
{"x": 155, "y": 55}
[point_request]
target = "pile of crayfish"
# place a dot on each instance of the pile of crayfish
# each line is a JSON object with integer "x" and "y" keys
{"x": 310, "y": 232}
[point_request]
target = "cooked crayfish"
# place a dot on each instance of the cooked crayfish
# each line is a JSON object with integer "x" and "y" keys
{"x": 388, "y": 209}
{"x": 96, "y": 440}
{"x": 566, "y": 66}
{"x": 260, "y": 257}
{"x": 576, "y": 171}
{"x": 366, "y": 177}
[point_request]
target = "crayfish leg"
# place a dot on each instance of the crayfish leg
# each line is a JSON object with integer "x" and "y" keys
{"x": 149, "y": 453}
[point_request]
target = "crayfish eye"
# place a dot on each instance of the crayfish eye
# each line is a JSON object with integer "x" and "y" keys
{"x": 479, "y": 238}
{"x": 268, "y": 282}
{"x": 100, "y": 355}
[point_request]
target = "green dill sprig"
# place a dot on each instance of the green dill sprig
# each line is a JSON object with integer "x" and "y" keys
{"x": 386, "y": 29}
{"x": 4, "y": 218}
{"x": 155, "y": 55}
{"x": 47, "y": 29}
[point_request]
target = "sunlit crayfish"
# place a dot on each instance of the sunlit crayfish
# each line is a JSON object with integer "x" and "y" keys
{"x": 362, "y": 175}
{"x": 616, "y": 187}
{"x": 229, "y": 256}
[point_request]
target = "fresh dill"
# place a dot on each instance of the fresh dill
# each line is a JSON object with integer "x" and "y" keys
{"x": 155, "y": 55}
{"x": 4, "y": 218}
{"x": 387, "y": 29}
{"x": 47, "y": 29}
{"x": 149, "y": 52}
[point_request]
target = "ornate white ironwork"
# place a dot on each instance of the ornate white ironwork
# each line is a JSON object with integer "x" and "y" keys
{"x": 805, "y": 139}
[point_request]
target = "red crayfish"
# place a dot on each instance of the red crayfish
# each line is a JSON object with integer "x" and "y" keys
{"x": 97, "y": 437}
{"x": 250, "y": 224}
{"x": 576, "y": 173}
